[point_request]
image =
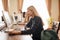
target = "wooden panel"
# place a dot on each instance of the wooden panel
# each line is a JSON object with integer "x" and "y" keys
{"x": 59, "y": 10}
{"x": 48, "y": 2}
{"x": 20, "y": 37}
{"x": 20, "y": 4}
{"x": 55, "y": 10}
{"x": 5, "y": 4}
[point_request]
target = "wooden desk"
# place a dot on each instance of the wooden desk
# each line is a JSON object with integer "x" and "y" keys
{"x": 20, "y": 37}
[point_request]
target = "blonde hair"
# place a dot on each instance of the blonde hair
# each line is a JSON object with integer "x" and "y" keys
{"x": 35, "y": 13}
{"x": 33, "y": 9}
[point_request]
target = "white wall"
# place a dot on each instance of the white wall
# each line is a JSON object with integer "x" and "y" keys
{"x": 40, "y": 6}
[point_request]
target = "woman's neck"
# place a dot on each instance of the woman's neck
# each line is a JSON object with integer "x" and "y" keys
{"x": 32, "y": 16}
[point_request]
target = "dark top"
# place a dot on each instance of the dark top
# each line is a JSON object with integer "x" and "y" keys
{"x": 36, "y": 27}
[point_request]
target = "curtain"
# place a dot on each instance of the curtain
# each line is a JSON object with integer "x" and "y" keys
{"x": 5, "y": 4}
{"x": 48, "y": 2}
{"x": 20, "y": 4}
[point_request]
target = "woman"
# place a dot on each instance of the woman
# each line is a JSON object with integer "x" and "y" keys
{"x": 35, "y": 24}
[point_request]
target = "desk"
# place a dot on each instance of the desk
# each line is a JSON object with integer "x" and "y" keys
{"x": 20, "y": 37}
{"x": 3, "y": 36}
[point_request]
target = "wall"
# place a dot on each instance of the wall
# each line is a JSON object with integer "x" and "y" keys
{"x": 55, "y": 9}
{"x": 13, "y": 7}
{"x": 59, "y": 10}
{"x": 41, "y": 8}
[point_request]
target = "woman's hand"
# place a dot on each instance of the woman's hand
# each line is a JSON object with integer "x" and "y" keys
{"x": 15, "y": 32}
{"x": 27, "y": 28}
{"x": 12, "y": 31}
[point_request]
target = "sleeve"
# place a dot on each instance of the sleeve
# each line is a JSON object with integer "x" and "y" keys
{"x": 30, "y": 31}
{"x": 29, "y": 23}
{"x": 33, "y": 28}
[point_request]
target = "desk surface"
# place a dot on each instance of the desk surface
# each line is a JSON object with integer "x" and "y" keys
{"x": 20, "y": 37}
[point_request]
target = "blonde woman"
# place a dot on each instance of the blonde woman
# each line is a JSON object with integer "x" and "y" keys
{"x": 35, "y": 24}
{"x": 32, "y": 9}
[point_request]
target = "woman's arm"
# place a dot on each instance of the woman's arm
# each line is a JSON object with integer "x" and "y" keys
{"x": 14, "y": 32}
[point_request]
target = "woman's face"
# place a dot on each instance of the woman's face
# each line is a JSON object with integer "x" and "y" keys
{"x": 29, "y": 12}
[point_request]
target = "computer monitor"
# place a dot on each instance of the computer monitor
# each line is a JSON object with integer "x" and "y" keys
{"x": 7, "y": 18}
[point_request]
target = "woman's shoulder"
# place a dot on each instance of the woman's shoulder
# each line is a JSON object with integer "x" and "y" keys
{"x": 37, "y": 17}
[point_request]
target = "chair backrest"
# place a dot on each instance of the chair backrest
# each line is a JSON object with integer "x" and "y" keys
{"x": 49, "y": 35}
